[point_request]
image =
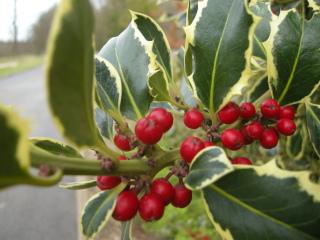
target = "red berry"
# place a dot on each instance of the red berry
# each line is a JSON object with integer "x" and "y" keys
{"x": 247, "y": 110}
{"x": 287, "y": 112}
{"x": 229, "y": 113}
{"x": 163, "y": 189}
{"x": 122, "y": 142}
{"x": 182, "y": 196}
{"x": 269, "y": 138}
{"x": 241, "y": 160}
{"x": 126, "y": 206}
{"x": 122, "y": 157}
{"x": 255, "y": 130}
{"x": 151, "y": 207}
{"x": 190, "y": 147}
{"x": 208, "y": 144}
{"x": 247, "y": 139}
{"x": 193, "y": 118}
{"x": 286, "y": 126}
{"x": 148, "y": 131}
{"x": 270, "y": 108}
{"x": 232, "y": 139}
{"x": 163, "y": 117}
{"x": 108, "y": 182}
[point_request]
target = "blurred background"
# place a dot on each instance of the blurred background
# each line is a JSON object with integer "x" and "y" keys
{"x": 29, "y": 213}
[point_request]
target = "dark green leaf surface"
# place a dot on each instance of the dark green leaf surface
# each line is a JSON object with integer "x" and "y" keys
{"x": 221, "y": 60}
{"x": 264, "y": 203}
{"x": 313, "y": 123}
{"x": 79, "y": 185}
{"x": 126, "y": 228}
{"x": 296, "y": 58}
{"x": 104, "y": 123}
{"x": 296, "y": 144}
{"x": 208, "y": 166}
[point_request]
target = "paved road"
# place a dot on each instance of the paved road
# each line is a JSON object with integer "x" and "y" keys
{"x": 29, "y": 213}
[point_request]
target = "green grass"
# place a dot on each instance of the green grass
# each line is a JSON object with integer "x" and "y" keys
{"x": 12, "y": 65}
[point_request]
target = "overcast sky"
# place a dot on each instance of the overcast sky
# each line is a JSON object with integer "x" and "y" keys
{"x": 28, "y": 13}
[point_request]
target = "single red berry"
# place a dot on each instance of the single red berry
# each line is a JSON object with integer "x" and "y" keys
{"x": 241, "y": 160}
{"x": 163, "y": 189}
{"x": 190, "y": 147}
{"x": 255, "y": 130}
{"x": 193, "y": 118}
{"x": 163, "y": 117}
{"x": 122, "y": 142}
{"x": 286, "y": 126}
{"x": 182, "y": 196}
{"x": 270, "y": 108}
{"x": 287, "y": 112}
{"x": 148, "y": 131}
{"x": 126, "y": 206}
{"x": 247, "y": 139}
{"x": 122, "y": 157}
{"x": 151, "y": 207}
{"x": 232, "y": 139}
{"x": 269, "y": 138}
{"x": 247, "y": 110}
{"x": 229, "y": 113}
{"x": 108, "y": 182}
{"x": 208, "y": 144}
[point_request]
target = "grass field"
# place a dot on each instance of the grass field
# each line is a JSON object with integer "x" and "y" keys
{"x": 12, "y": 65}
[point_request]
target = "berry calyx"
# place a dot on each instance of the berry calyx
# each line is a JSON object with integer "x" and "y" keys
{"x": 287, "y": 112}
{"x": 232, "y": 139}
{"x": 107, "y": 182}
{"x": 270, "y": 108}
{"x": 286, "y": 126}
{"x": 151, "y": 207}
{"x": 190, "y": 147}
{"x": 163, "y": 189}
{"x": 122, "y": 142}
{"x": 254, "y": 130}
{"x": 247, "y": 110}
{"x": 182, "y": 196}
{"x": 229, "y": 113}
{"x": 208, "y": 144}
{"x": 148, "y": 131}
{"x": 193, "y": 118}
{"x": 241, "y": 160}
{"x": 126, "y": 206}
{"x": 269, "y": 138}
{"x": 163, "y": 117}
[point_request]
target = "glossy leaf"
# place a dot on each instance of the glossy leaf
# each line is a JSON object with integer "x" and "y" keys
{"x": 126, "y": 230}
{"x": 295, "y": 57}
{"x": 313, "y": 123}
{"x": 159, "y": 87}
{"x": 104, "y": 123}
{"x": 221, "y": 60}
{"x": 79, "y": 185}
{"x": 264, "y": 203}
{"x": 296, "y": 144}
{"x": 208, "y": 166}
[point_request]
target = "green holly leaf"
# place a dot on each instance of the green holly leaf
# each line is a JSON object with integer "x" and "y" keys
{"x": 126, "y": 230}
{"x": 221, "y": 60}
{"x": 295, "y": 57}
{"x": 104, "y": 123}
{"x": 313, "y": 123}
{"x": 264, "y": 202}
{"x": 208, "y": 166}
{"x": 79, "y": 185}
{"x": 297, "y": 143}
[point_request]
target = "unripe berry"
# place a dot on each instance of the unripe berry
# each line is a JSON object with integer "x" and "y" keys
{"x": 163, "y": 189}
{"x": 247, "y": 139}
{"x": 287, "y": 112}
{"x": 269, "y": 138}
{"x": 108, "y": 182}
{"x": 255, "y": 130}
{"x": 247, "y": 110}
{"x": 232, "y": 139}
{"x": 190, "y": 147}
{"x": 208, "y": 144}
{"x": 148, "y": 131}
{"x": 229, "y": 113}
{"x": 122, "y": 142}
{"x": 163, "y": 117}
{"x": 193, "y": 118}
{"x": 270, "y": 108}
{"x": 126, "y": 206}
{"x": 151, "y": 207}
{"x": 286, "y": 126}
{"x": 182, "y": 196}
{"x": 241, "y": 160}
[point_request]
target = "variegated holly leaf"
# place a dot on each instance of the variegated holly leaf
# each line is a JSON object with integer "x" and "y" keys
{"x": 221, "y": 60}
{"x": 314, "y": 4}
{"x": 208, "y": 166}
{"x": 126, "y": 231}
{"x": 104, "y": 123}
{"x": 79, "y": 185}
{"x": 296, "y": 144}
{"x": 131, "y": 54}
{"x": 159, "y": 87}
{"x": 313, "y": 123}
{"x": 264, "y": 203}
{"x": 295, "y": 57}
